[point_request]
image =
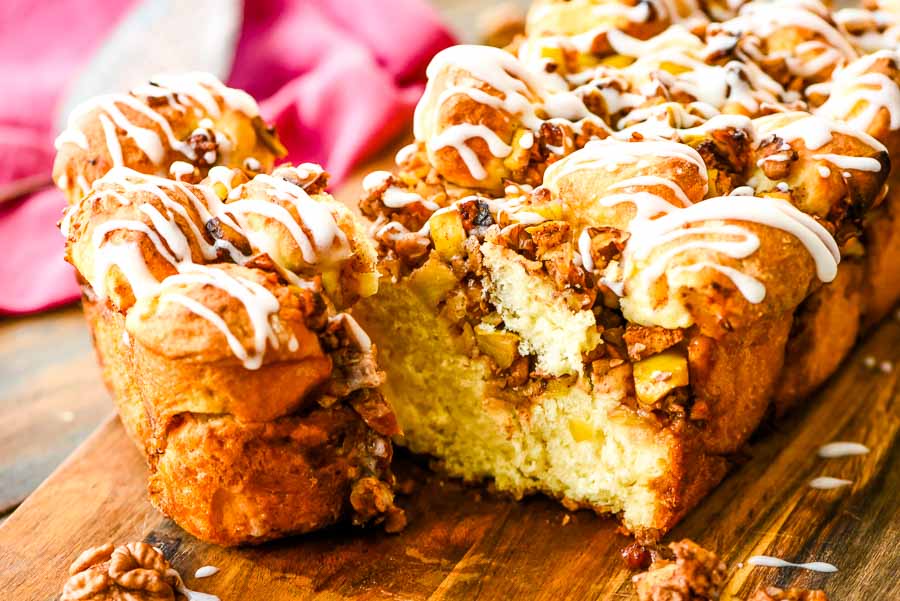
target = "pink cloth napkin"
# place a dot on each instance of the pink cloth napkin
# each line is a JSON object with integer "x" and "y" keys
{"x": 339, "y": 79}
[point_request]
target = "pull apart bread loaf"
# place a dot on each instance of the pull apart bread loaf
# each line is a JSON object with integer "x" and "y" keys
{"x": 217, "y": 303}
{"x": 614, "y": 246}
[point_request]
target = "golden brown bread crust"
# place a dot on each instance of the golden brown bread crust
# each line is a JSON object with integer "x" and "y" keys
{"x": 192, "y": 118}
{"x": 250, "y": 395}
{"x": 882, "y": 239}
{"x": 184, "y": 363}
{"x": 733, "y": 379}
{"x": 113, "y": 349}
{"x": 824, "y": 329}
{"x": 234, "y": 482}
{"x": 231, "y": 483}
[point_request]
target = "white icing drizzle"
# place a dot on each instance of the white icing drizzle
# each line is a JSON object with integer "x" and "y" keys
{"x": 648, "y": 233}
{"x": 842, "y": 449}
{"x": 355, "y": 330}
{"x": 609, "y": 154}
{"x": 849, "y": 162}
{"x": 816, "y": 131}
{"x": 654, "y": 180}
{"x": 375, "y": 180}
{"x": 197, "y": 87}
{"x": 775, "y": 562}
{"x": 71, "y": 135}
{"x": 405, "y": 153}
{"x": 395, "y": 198}
{"x": 520, "y": 92}
{"x": 328, "y": 243}
{"x": 730, "y": 240}
{"x": 179, "y": 169}
{"x": 828, "y": 483}
{"x": 743, "y": 191}
{"x": 584, "y": 249}
{"x": 186, "y": 88}
{"x": 527, "y": 140}
{"x": 763, "y": 20}
{"x": 206, "y": 572}
{"x": 259, "y": 304}
{"x": 112, "y": 142}
{"x": 873, "y": 30}
{"x": 456, "y": 137}
{"x": 188, "y": 593}
{"x": 325, "y": 240}
{"x": 853, "y": 86}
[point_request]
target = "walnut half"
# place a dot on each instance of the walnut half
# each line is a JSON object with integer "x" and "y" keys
{"x": 130, "y": 572}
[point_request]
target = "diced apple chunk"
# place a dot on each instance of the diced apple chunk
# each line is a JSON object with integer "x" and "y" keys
{"x": 499, "y": 345}
{"x": 657, "y": 376}
{"x": 448, "y": 233}
{"x": 432, "y": 281}
{"x": 581, "y": 430}
{"x": 368, "y": 284}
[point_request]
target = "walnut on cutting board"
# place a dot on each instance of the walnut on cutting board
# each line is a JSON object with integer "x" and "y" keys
{"x": 130, "y": 572}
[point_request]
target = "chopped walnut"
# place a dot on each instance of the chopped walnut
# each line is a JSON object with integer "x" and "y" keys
{"x": 777, "y": 158}
{"x": 771, "y": 593}
{"x": 130, "y": 572}
{"x": 373, "y": 500}
{"x": 644, "y": 341}
{"x": 695, "y": 575}
{"x": 204, "y": 145}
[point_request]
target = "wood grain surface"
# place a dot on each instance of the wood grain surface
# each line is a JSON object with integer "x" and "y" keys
{"x": 463, "y": 543}
{"x": 51, "y": 397}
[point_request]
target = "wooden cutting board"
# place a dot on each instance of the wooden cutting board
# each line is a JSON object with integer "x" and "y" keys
{"x": 464, "y": 543}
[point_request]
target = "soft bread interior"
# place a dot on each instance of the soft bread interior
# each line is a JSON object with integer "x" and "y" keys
{"x": 569, "y": 442}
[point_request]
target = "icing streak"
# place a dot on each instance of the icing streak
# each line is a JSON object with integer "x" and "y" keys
{"x": 774, "y": 562}
{"x": 259, "y": 304}
{"x": 202, "y": 91}
{"x": 827, "y": 483}
{"x": 173, "y": 232}
{"x": 610, "y": 154}
{"x": 842, "y": 449}
{"x": 729, "y": 239}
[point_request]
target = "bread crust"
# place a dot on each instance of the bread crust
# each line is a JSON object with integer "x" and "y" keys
{"x": 232, "y": 477}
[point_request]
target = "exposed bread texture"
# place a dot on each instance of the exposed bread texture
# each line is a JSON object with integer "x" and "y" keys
{"x": 617, "y": 242}
{"x": 529, "y": 305}
{"x": 217, "y": 312}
